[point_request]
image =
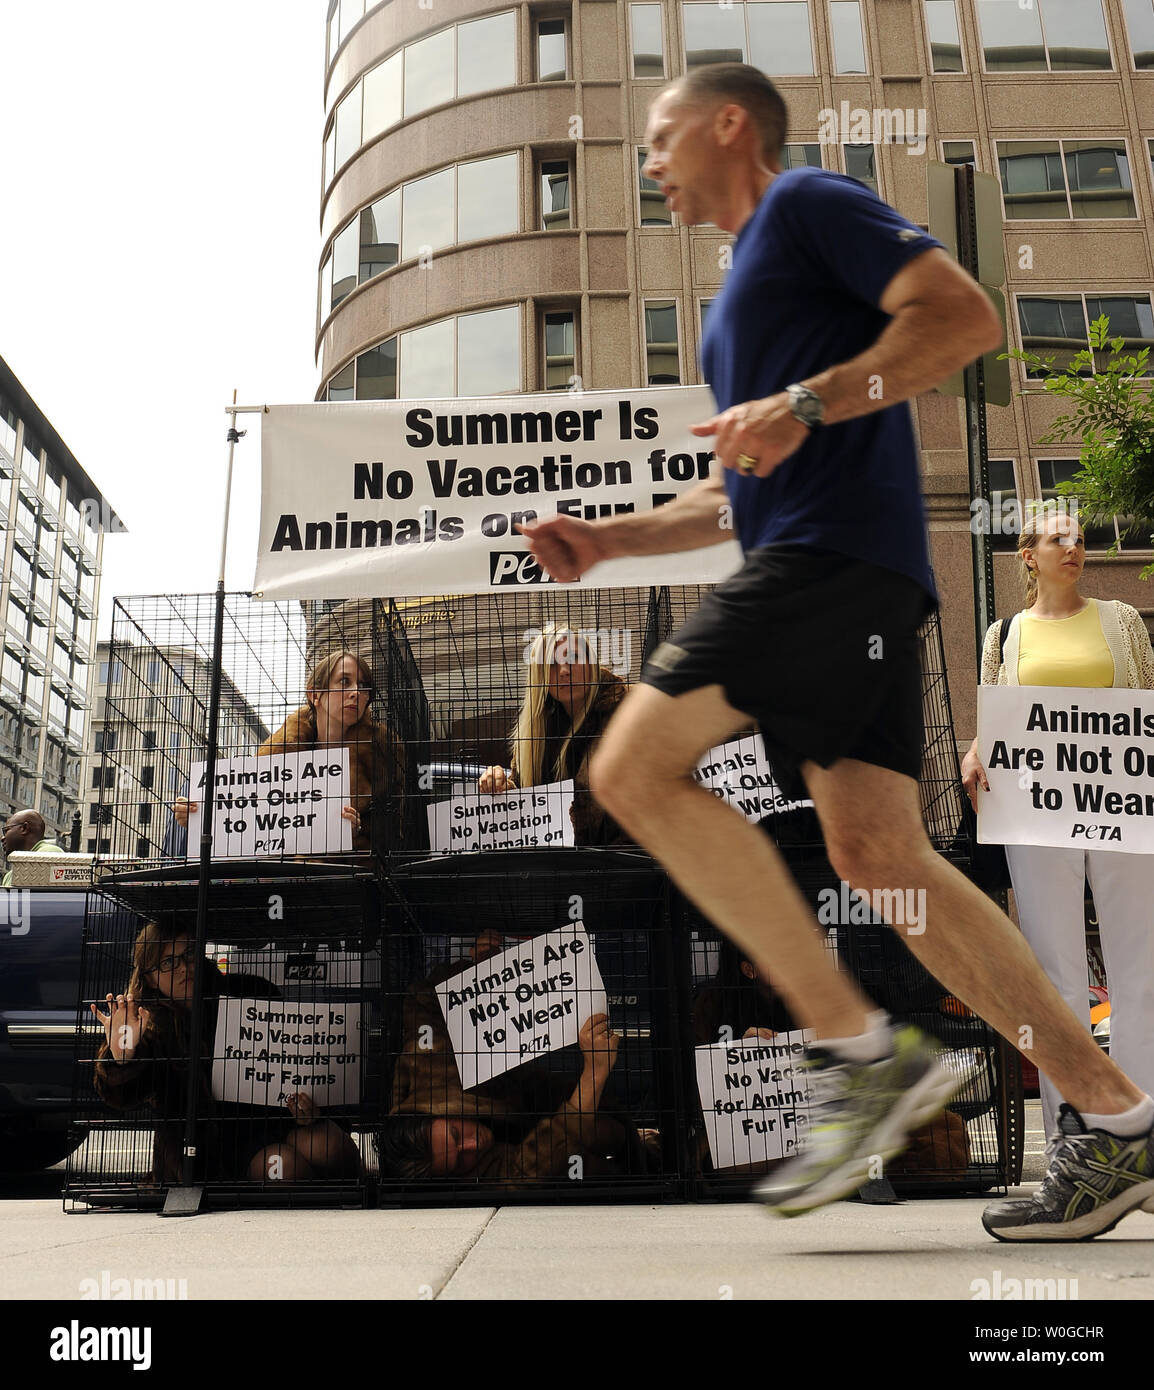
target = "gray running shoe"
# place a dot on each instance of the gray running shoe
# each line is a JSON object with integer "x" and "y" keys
{"x": 859, "y": 1112}
{"x": 1094, "y": 1179}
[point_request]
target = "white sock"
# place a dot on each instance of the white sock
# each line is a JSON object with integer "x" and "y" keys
{"x": 871, "y": 1046}
{"x": 1127, "y": 1124}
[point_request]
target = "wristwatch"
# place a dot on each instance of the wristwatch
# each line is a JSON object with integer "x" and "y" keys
{"x": 805, "y": 405}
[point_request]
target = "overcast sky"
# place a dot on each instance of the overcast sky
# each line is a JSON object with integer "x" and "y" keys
{"x": 159, "y": 236}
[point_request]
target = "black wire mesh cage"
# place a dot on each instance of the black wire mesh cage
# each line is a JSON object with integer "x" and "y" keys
{"x": 288, "y": 1088}
{"x": 307, "y": 764}
{"x": 532, "y": 1045}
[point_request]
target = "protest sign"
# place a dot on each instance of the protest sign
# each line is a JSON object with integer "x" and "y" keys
{"x": 269, "y": 1049}
{"x": 738, "y": 773}
{"x": 286, "y": 804}
{"x": 522, "y": 1003}
{"x": 1067, "y": 766}
{"x": 522, "y": 819}
{"x": 416, "y": 497}
{"x": 753, "y": 1098}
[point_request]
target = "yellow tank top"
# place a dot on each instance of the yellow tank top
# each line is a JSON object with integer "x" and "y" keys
{"x": 1064, "y": 651}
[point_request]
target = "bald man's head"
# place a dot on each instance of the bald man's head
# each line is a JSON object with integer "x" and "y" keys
{"x": 22, "y": 830}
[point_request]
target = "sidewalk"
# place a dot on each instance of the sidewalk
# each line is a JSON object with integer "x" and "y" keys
{"x": 920, "y": 1249}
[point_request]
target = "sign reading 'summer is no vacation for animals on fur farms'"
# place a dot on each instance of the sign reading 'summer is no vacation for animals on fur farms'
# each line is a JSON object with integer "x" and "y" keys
{"x": 532, "y": 818}
{"x": 754, "y": 1098}
{"x": 270, "y": 1049}
{"x": 519, "y": 1005}
{"x": 410, "y": 497}
{"x": 1067, "y": 766}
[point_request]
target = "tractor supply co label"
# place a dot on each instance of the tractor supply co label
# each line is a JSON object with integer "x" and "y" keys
{"x": 287, "y": 804}
{"x": 526, "y": 819}
{"x": 1067, "y": 766}
{"x": 739, "y": 773}
{"x": 523, "y": 1003}
{"x": 270, "y": 1049}
{"x": 753, "y": 1098}
{"x": 411, "y": 497}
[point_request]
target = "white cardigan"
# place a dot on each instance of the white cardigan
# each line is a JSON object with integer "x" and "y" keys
{"x": 1125, "y": 635}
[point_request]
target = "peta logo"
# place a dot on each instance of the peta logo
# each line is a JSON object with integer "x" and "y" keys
{"x": 510, "y": 567}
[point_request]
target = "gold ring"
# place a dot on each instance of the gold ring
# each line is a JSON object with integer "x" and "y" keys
{"x": 745, "y": 463}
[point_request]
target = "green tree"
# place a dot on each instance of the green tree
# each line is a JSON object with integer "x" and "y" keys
{"x": 1112, "y": 415}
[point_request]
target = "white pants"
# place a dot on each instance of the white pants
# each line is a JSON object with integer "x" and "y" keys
{"x": 1049, "y": 888}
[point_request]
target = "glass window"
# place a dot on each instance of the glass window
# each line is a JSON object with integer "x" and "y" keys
{"x": 30, "y": 458}
{"x": 1036, "y": 175}
{"x": 487, "y": 54}
{"x": 648, "y": 51}
{"x": 554, "y": 192}
{"x": 426, "y": 361}
{"x": 429, "y": 72}
{"x": 8, "y": 427}
{"x": 779, "y": 39}
{"x": 334, "y": 31}
{"x": 1098, "y": 172}
{"x": 801, "y": 156}
{"x": 381, "y": 235}
{"x": 26, "y": 514}
{"x": 489, "y": 352}
{"x": 848, "y": 43}
{"x": 1140, "y": 27}
{"x": 351, "y": 12}
{"x": 52, "y": 485}
{"x": 427, "y": 214}
{"x": 1062, "y": 35}
{"x": 331, "y": 154}
{"x": 945, "y": 42}
{"x": 348, "y": 126}
{"x": 57, "y": 707}
{"x": 377, "y": 372}
{"x": 705, "y": 305}
{"x": 959, "y": 152}
{"x": 1053, "y": 325}
{"x": 861, "y": 164}
{"x": 552, "y": 64}
{"x": 105, "y": 741}
{"x": 653, "y": 211}
{"x": 560, "y": 340}
{"x": 346, "y": 259}
{"x": 663, "y": 366}
{"x": 1130, "y": 317}
{"x": 342, "y": 385}
{"x": 146, "y": 775}
{"x": 713, "y": 34}
{"x": 383, "y": 100}
{"x": 1051, "y": 472}
{"x": 487, "y": 201}
{"x": 12, "y": 672}
{"x": 21, "y": 568}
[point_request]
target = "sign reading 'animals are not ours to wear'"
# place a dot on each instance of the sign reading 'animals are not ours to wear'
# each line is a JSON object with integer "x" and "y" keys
{"x": 521, "y": 1004}
{"x": 738, "y": 773}
{"x": 287, "y": 804}
{"x": 424, "y": 497}
{"x": 1067, "y": 766}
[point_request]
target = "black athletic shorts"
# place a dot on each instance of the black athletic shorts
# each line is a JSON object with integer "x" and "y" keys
{"x": 819, "y": 649}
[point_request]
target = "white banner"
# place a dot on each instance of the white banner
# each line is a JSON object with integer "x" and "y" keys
{"x": 1067, "y": 766}
{"x": 523, "y": 1003}
{"x": 753, "y": 1098}
{"x": 406, "y": 498}
{"x": 269, "y": 1049}
{"x": 523, "y": 819}
{"x": 287, "y": 804}
{"x": 739, "y": 773}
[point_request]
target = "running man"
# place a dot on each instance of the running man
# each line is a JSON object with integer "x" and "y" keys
{"x": 835, "y": 312}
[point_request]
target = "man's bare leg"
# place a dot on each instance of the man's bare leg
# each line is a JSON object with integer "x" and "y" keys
{"x": 875, "y": 838}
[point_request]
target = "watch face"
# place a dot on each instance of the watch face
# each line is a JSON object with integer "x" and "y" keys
{"x": 807, "y": 406}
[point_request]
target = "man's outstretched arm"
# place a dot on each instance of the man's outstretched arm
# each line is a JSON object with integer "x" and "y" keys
{"x": 568, "y": 547}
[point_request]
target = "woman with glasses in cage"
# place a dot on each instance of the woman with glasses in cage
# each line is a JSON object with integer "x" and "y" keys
{"x": 335, "y": 714}
{"x": 568, "y": 701}
{"x": 143, "y": 1061}
{"x": 1062, "y": 638}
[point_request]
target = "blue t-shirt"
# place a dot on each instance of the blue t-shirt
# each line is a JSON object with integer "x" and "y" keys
{"x": 808, "y": 270}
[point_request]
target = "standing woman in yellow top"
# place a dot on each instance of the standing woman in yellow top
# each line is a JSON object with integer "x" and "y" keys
{"x": 1062, "y": 638}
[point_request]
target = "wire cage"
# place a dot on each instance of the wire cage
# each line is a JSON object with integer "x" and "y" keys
{"x": 750, "y": 1107}
{"x": 288, "y": 1090}
{"x": 504, "y": 1085}
{"x": 308, "y": 696}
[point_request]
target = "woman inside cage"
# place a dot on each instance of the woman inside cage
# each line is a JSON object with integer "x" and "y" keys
{"x": 1062, "y": 638}
{"x": 568, "y": 701}
{"x": 336, "y": 713}
{"x": 143, "y": 1061}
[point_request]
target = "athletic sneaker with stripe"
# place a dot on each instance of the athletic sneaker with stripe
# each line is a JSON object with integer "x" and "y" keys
{"x": 1094, "y": 1179}
{"x": 859, "y": 1113}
